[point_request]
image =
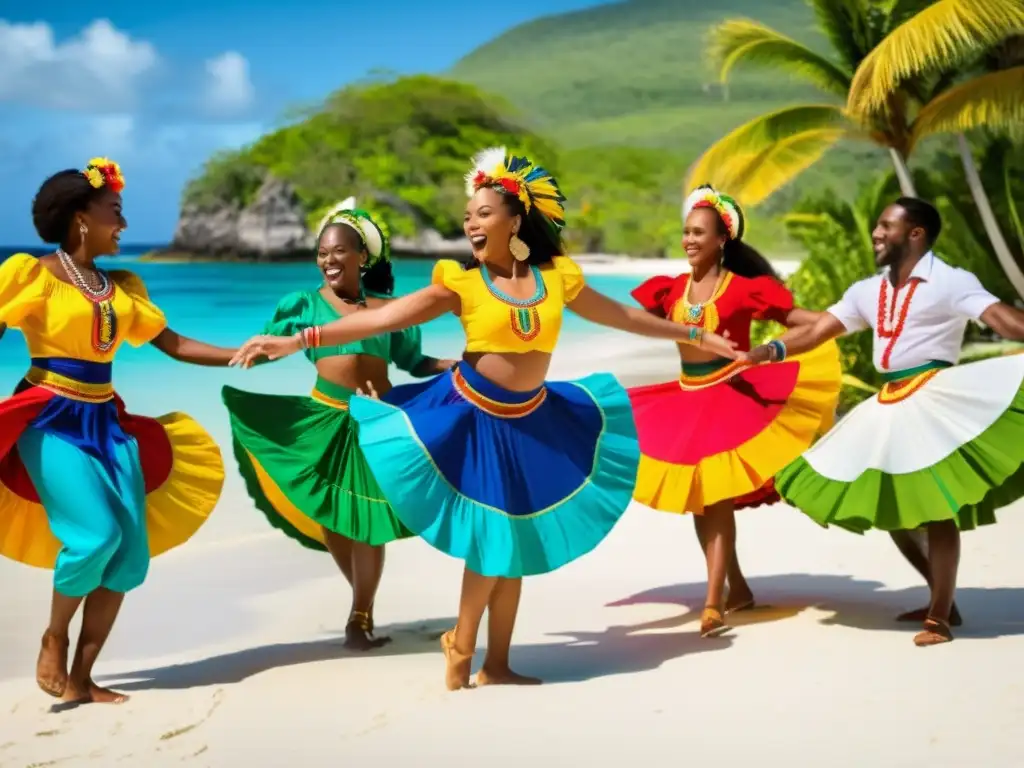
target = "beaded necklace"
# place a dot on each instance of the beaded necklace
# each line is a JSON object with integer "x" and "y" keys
{"x": 523, "y": 316}
{"x": 888, "y": 317}
{"x": 104, "y": 320}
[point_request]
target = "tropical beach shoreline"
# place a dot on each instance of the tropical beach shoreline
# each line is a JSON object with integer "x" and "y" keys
{"x": 232, "y": 650}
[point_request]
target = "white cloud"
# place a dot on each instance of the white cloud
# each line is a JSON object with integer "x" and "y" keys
{"x": 228, "y": 87}
{"x": 97, "y": 71}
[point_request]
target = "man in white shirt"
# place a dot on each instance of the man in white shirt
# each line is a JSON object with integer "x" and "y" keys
{"x": 918, "y": 308}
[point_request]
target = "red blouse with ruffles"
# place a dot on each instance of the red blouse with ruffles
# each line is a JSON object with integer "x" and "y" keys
{"x": 736, "y": 302}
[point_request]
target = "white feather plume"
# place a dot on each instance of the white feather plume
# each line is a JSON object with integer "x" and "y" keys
{"x": 488, "y": 161}
{"x": 345, "y": 205}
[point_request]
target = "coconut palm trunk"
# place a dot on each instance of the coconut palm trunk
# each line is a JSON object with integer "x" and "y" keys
{"x": 902, "y": 173}
{"x": 988, "y": 218}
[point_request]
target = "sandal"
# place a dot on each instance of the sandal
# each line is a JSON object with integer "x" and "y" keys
{"x": 712, "y": 624}
{"x": 935, "y": 632}
{"x": 359, "y": 632}
{"x": 458, "y": 663}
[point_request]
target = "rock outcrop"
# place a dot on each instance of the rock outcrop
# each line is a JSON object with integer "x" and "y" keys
{"x": 273, "y": 228}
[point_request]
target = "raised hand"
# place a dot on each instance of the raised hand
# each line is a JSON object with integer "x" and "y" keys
{"x": 371, "y": 392}
{"x": 270, "y": 347}
{"x": 722, "y": 346}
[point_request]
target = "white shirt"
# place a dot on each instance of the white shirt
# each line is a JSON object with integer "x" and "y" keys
{"x": 945, "y": 299}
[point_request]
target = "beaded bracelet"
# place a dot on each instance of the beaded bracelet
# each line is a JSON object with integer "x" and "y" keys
{"x": 696, "y": 334}
{"x": 776, "y": 351}
{"x": 309, "y": 338}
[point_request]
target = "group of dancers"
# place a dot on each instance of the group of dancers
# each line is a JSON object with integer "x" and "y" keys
{"x": 483, "y": 457}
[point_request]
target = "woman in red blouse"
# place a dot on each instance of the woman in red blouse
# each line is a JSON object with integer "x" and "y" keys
{"x": 712, "y": 441}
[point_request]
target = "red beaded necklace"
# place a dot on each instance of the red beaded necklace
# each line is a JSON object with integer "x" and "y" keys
{"x": 894, "y": 334}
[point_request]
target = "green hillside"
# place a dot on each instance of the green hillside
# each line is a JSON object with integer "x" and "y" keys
{"x": 636, "y": 73}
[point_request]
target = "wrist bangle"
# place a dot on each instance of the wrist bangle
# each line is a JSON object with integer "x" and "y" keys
{"x": 309, "y": 338}
{"x": 696, "y": 335}
{"x": 776, "y": 351}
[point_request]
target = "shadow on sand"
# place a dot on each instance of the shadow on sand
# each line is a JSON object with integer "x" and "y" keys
{"x": 988, "y": 612}
{"x": 234, "y": 667}
{"x": 624, "y": 649}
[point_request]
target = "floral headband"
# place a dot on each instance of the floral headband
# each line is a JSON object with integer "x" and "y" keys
{"x": 103, "y": 172}
{"x": 371, "y": 230}
{"x": 518, "y": 176}
{"x": 706, "y": 196}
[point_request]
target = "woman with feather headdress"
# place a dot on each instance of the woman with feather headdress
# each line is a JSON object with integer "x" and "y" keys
{"x": 491, "y": 463}
{"x": 712, "y": 439}
{"x": 299, "y": 455}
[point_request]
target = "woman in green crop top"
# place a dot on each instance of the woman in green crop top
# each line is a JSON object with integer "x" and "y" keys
{"x": 299, "y": 455}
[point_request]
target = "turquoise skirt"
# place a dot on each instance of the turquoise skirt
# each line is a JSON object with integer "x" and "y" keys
{"x": 513, "y": 483}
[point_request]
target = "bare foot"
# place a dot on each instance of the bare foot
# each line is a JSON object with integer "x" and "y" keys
{"x": 920, "y": 614}
{"x": 457, "y": 671}
{"x": 90, "y": 693}
{"x": 503, "y": 676}
{"x": 935, "y": 632}
{"x": 52, "y": 665}
{"x": 359, "y": 635}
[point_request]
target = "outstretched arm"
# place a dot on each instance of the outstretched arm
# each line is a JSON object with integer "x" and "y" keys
{"x": 187, "y": 350}
{"x": 797, "y": 316}
{"x": 1005, "y": 320}
{"x": 801, "y": 338}
{"x": 598, "y": 308}
{"x": 414, "y": 309}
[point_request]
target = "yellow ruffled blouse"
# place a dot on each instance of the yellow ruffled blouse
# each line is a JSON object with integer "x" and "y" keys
{"x": 57, "y": 320}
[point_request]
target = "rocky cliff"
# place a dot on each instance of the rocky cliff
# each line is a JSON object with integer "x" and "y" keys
{"x": 273, "y": 228}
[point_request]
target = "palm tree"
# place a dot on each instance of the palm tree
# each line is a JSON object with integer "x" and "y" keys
{"x": 987, "y": 34}
{"x": 759, "y": 157}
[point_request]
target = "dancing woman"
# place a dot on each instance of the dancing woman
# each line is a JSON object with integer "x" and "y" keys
{"x": 85, "y": 487}
{"x": 490, "y": 463}
{"x": 299, "y": 455}
{"x": 941, "y": 446}
{"x": 712, "y": 440}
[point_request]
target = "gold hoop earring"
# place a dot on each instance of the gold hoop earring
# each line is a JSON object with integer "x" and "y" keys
{"x": 520, "y": 250}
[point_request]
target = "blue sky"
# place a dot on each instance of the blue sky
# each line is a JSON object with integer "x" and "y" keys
{"x": 161, "y": 87}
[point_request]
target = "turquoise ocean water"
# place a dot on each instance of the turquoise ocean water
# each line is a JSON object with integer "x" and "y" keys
{"x": 225, "y": 304}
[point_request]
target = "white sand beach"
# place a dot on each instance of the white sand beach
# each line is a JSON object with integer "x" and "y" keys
{"x": 232, "y": 653}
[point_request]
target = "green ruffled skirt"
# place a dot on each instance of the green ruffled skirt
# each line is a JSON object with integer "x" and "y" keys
{"x": 303, "y": 468}
{"x": 936, "y": 444}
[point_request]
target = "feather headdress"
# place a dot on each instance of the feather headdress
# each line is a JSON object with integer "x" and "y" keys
{"x": 371, "y": 230}
{"x": 706, "y": 196}
{"x": 518, "y": 176}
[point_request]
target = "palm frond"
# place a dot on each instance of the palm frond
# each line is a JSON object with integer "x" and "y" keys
{"x": 845, "y": 24}
{"x": 1015, "y": 218}
{"x": 994, "y": 101}
{"x": 900, "y": 11}
{"x": 760, "y": 156}
{"x": 741, "y": 41}
{"x": 940, "y": 37}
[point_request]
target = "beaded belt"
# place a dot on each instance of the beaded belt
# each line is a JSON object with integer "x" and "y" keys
{"x": 491, "y": 406}
{"x": 703, "y": 375}
{"x": 899, "y": 385}
{"x": 83, "y": 380}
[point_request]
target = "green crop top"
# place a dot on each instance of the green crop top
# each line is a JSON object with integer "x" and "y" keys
{"x": 303, "y": 309}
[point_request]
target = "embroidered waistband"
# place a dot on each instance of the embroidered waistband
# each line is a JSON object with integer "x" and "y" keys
{"x": 701, "y": 375}
{"x": 476, "y": 390}
{"x": 73, "y": 389}
{"x": 909, "y": 373}
{"x": 329, "y": 393}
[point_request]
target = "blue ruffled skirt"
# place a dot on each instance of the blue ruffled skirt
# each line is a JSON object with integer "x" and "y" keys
{"x": 513, "y": 483}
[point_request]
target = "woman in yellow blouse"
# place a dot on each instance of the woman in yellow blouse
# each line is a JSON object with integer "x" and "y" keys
{"x": 490, "y": 463}
{"x": 117, "y": 488}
